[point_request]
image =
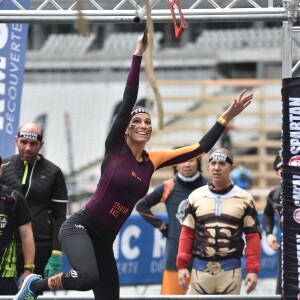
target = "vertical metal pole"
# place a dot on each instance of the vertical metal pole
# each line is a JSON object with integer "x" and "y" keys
{"x": 287, "y": 31}
{"x": 69, "y": 142}
{"x": 287, "y": 27}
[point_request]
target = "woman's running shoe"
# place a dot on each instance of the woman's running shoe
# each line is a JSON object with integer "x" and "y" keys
{"x": 25, "y": 293}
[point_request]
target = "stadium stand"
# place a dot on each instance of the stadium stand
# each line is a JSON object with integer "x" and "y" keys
{"x": 67, "y": 43}
{"x": 183, "y": 105}
{"x": 233, "y": 39}
{"x": 124, "y": 42}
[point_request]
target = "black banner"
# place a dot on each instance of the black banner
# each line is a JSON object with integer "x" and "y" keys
{"x": 291, "y": 188}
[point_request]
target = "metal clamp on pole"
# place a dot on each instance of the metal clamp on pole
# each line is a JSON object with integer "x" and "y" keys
{"x": 292, "y": 7}
{"x": 140, "y": 13}
{"x": 183, "y": 26}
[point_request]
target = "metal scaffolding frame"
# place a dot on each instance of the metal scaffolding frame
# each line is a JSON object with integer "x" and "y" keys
{"x": 194, "y": 11}
{"x": 52, "y": 11}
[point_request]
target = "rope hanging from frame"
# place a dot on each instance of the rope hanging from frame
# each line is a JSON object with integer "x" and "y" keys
{"x": 149, "y": 65}
{"x": 83, "y": 27}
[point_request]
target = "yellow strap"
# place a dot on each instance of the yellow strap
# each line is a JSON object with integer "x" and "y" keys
{"x": 57, "y": 252}
{"x": 25, "y": 172}
{"x": 223, "y": 121}
{"x": 29, "y": 266}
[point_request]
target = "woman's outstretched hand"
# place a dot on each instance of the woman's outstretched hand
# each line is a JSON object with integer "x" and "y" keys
{"x": 238, "y": 105}
{"x": 140, "y": 47}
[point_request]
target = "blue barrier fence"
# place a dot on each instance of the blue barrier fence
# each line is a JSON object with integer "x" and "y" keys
{"x": 139, "y": 250}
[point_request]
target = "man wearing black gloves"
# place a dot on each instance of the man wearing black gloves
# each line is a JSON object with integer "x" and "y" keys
{"x": 174, "y": 193}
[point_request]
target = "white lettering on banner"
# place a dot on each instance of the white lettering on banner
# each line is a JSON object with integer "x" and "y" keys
{"x": 157, "y": 266}
{"x": 296, "y": 189}
{"x": 298, "y": 257}
{"x": 116, "y": 247}
{"x": 3, "y": 35}
{"x": 294, "y": 125}
{"x": 13, "y": 81}
{"x": 126, "y": 268}
{"x": 2, "y": 108}
{"x": 3, "y": 40}
{"x": 9, "y": 94}
{"x": 2, "y": 76}
{"x": 294, "y": 120}
{"x": 130, "y": 232}
{"x": 122, "y": 243}
{"x": 159, "y": 244}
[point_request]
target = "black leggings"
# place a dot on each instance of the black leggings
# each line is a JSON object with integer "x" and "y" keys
{"x": 93, "y": 260}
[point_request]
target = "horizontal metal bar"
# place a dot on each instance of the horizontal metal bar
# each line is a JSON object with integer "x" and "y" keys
{"x": 225, "y": 11}
{"x": 130, "y": 19}
{"x": 95, "y": 12}
{"x": 127, "y": 16}
{"x": 158, "y": 297}
{"x": 231, "y": 18}
{"x": 154, "y": 12}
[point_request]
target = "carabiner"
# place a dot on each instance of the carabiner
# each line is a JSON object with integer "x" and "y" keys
{"x": 183, "y": 26}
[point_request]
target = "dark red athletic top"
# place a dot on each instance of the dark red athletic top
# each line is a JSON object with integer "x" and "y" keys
{"x": 124, "y": 180}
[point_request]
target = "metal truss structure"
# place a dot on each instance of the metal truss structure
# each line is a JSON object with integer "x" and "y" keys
{"x": 194, "y": 11}
{"x": 124, "y": 11}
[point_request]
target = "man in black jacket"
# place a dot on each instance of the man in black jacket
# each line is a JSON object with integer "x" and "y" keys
{"x": 272, "y": 209}
{"x": 43, "y": 185}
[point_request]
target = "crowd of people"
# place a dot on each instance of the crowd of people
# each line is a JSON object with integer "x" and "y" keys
{"x": 207, "y": 217}
{"x": 173, "y": 193}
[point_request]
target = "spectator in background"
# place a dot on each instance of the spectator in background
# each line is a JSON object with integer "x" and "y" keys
{"x": 273, "y": 209}
{"x": 43, "y": 185}
{"x": 173, "y": 193}
{"x": 242, "y": 177}
{"x": 217, "y": 216}
{"x": 14, "y": 215}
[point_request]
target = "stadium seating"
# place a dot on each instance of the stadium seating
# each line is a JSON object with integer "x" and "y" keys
{"x": 122, "y": 42}
{"x": 67, "y": 43}
{"x": 233, "y": 39}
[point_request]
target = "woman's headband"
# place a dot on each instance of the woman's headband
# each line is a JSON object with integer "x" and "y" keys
{"x": 139, "y": 110}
